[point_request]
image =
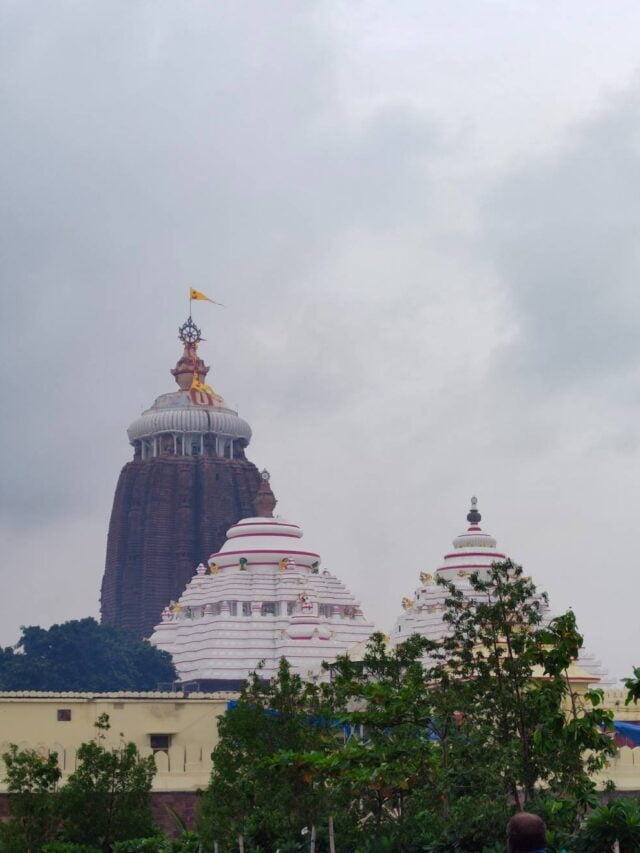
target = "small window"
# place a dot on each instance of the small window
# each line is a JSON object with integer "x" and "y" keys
{"x": 159, "y": 742}
{"x": 246, "y": 608}
{"x": 64, "y": 715}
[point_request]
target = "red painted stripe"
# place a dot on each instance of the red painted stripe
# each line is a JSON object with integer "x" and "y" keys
{"x": 475, "y": 554}
{"x": 242, "y": 535}
{"x": 253, "y": 565}
{"x": 223, "y": 554}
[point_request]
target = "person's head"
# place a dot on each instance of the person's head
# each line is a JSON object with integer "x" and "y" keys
{"x": 526, "y": 832}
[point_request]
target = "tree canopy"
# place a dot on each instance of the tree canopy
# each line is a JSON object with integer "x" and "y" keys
{"x": 425, "y": 746}
{"x": 85, "y": 656}
{"x": 105, "y": 800}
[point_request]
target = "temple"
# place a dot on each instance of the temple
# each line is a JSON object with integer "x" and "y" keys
{"x": 473, "y": 551}
{"x": 188, "y": 482}
{"x": 262, "y": 596}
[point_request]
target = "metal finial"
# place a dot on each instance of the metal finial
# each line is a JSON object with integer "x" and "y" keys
{"x": 474, "y": 517}
{"x": 189, "y": 333}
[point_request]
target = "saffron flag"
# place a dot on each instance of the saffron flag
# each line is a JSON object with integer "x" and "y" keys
{"x": 195, "y": 294}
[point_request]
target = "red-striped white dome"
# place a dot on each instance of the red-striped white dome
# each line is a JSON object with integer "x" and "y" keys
{"x": 264, "y": 542}
{"x": 252, "y": 527}
{"x": 473, "y": 550}
{"x": 262, "y": 597}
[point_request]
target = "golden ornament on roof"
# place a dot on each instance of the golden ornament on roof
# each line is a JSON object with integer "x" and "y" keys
{"x": 425, "y": 577}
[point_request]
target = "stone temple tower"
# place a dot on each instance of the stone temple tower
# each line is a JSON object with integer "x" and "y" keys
{"x": 188, "y": 482}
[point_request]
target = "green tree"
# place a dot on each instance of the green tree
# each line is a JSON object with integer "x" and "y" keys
{"x": 246, "y": 796}
{"x": 83, "y": 655}
{"x": 107, "y": 799}
{"x": 618, "y": 821}
{"x": 633, "y": 687}
{"x": 32, "y": 781}
{"x": 383, "y": 774}
{"x": 508, "y": 672}
{"x": 430, "y": 745}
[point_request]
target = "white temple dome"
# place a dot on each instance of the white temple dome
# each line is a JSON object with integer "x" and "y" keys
{"x": 252, "y": 527}
{"x": 176, "y": 413}
{"x": 263, "y": 596}
{"x": 264, "y": 542}
{"x": 473, "y": 551}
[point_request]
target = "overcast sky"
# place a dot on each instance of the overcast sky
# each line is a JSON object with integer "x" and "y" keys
{"x": 425, "y": 220}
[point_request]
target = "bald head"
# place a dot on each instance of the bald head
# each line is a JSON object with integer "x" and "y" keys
{"x": 526, "y": 832}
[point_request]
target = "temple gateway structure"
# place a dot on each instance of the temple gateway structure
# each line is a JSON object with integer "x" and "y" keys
{"x": 473, "y": 550}
{"x": 188, "y": 482}
{"x": 262, "y": 596}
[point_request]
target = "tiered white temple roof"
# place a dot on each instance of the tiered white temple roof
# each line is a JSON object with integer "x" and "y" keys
{"x": 473, "y": 551}
{"x": 263, "y": 596}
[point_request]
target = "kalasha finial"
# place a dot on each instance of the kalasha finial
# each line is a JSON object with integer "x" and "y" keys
{"x": 265, "y": 501}
{"x": 473, "y": 516}
{"x": 189, "y": 333}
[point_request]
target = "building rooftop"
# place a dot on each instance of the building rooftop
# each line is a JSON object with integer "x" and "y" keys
{"x": 261, "y": 597}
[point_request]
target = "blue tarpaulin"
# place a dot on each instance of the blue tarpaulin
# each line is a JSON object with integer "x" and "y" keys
{"x": 628, "y": 730}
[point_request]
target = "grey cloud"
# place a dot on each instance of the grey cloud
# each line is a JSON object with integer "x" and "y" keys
{"x": 145, "y": 151}
{"x": 562, "y": 233}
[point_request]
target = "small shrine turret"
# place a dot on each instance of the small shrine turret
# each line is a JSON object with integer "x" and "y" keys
{"x": 474, "y": 551}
